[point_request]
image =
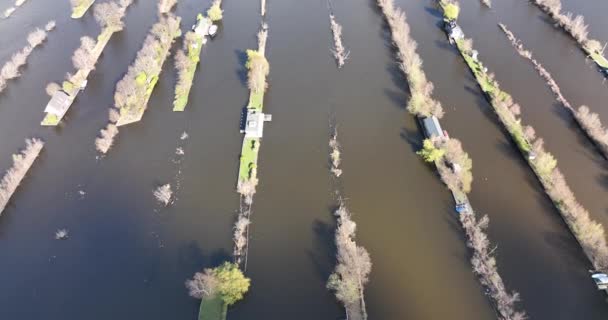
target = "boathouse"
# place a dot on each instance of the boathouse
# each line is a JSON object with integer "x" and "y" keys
{"x": 59, "y": 104}
{"x": 431, "y": 127}
{"x": 254, "y": 123}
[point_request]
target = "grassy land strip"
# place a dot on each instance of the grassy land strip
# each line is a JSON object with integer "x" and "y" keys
{"x": 589, "y": 233}
{"x": 80, "y": 7}
{"x": 212, "y": 308}
{"x": 135, "y": 89}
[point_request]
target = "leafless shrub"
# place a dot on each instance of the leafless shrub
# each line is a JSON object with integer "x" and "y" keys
{"x": 163, "y": 194}
{"x": 8, "y": 12}
{"x": 590, "y": 122}
{"x": 110, "y": 14}
{"x": 114, "y": 115}
{"x": 106, "y": 138}
{"x": 202, "y": 285}
{"x": 247, "y": 188}
{"x": 487, "y": 3}
{"x": 61, "y": 234}
{"x": 421, "y": 103}
{"x": 52, "y": 88}
{"x": 21, "y": 164}
{"x": 340, "y": 53}
{"x": 467, "y": 45}
{"x": 129, "y": 97}
{"x": 353, "y": 268}
{"x": 10, "y": 69}
{"x": 334, "y": 154}
{"x": 240, "y": 234}
{"x": 84, "y": 57}
{"x": 50, "y": 26}
{"x": 164, "y": 6}
{"x": 484, "y": 265}
{"x": 574, "y": 25}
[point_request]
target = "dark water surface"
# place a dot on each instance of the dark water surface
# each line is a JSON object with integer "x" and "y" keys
{"x": 127, "y": 257}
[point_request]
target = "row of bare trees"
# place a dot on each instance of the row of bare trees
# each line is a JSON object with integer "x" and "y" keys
{"x": 421, "y": 103}
{"x": 453, "y": 163}
{"x": 10, "y": 70}
{"x": 9, "y": 11}
{"x": 257, "y": 65}
{"x": 133, "y": 89}
{"x": 21, "y": 164}
{"x": 589, "y": 121}
{"x": 354, "y": 264}
{"x": 574, "y": 25}
{"x": 339, "y": 51}
{"x": 589, "y": 233}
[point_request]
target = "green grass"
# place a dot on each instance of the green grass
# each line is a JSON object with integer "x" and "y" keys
{"x": 50, "y": 120}
{"x": 81, "y": 9}
{"x": 181, "y": 93}
{"x": 212, "y": 309}
{"x": 249, "y": 158}
{"x": 256, "y": 100}
{"x": 599, "y": 59}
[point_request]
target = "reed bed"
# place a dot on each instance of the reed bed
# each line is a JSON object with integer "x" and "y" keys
{"x": 22, "y": 163}
{"x": 452, "y": 162}
{"x": 587, "y": 120}
{"x": 10, "y": 70}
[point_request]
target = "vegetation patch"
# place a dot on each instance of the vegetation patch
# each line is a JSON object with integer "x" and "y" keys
{"x": 22, "y": 163}
{"x": 135, "y": 88}
{"x": 10, "y": 70}
{"x": 9, "y": 11}
{"x": 218, "y": 288}
{"x": 340, "y": 53}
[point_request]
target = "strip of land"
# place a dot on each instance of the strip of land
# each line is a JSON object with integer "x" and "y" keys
{"x": 80, "y": 7}
{"x": 588, "y": 232}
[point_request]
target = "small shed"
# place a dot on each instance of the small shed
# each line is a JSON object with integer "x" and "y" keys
{"x": 59, "y": 104}
{"x": 431, "y": 127}
{"x": 254, "y": 124}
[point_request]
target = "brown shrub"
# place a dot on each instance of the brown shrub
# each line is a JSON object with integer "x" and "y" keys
{"x": 21, "y": 165}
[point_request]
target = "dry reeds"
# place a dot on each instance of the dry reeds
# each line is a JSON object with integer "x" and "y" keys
{"x": 340, "y": 53}
{"x": 10, "y": 70}
{"x": 21, "y": 164}
{"x": 589, "y": 121}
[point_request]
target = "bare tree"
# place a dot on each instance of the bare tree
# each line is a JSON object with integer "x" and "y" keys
{"x": 84, "y": 58}
{"x": 202, "y": 285}
{"x": 164, "y": 6}
{"x": 106, "y": 138}
{"x": 52, "y": 88}
{"x": 163, "y": 194}
{"x": 110, "y": 14}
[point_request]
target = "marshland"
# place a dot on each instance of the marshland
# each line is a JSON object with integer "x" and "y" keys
{"x": 142, "y": 252}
